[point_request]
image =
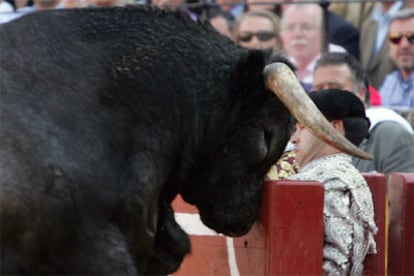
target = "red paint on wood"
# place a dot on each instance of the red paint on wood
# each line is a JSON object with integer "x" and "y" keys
{"x": 401, "y": 224}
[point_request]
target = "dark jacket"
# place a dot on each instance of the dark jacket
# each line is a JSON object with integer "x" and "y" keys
{"x": 343, "y": 33}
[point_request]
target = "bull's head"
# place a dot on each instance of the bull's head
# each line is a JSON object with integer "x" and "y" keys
{"x": 228, "y": 188}
{"x": 281, "y": 80}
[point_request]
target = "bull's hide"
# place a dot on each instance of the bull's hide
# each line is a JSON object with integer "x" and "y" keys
{"x": 108, "y": 114}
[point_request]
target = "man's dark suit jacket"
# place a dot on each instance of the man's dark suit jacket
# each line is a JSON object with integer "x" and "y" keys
{"x": 343, "y": 33}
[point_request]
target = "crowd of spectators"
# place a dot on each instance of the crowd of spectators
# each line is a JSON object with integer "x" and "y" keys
{"x": 379, "y": 34}
{"x": 369, "y": 30}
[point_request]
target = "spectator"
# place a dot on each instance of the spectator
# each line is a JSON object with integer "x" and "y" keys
{"x": 268, "y": 5}
{"x": 374, "y": 49}
{"x": 6, "y": 12}
{"x": 20, "y": 7}
{"x": 342, "y": 33}
{"x": 235, "y": 8}
{"x": 339, "y": 31}
{"x": 8, "y": 16}
{"x": 375, "y": 97}
{"x": 20, "y": 3}
{"x": 259, "y": 29}
{"x": 354, "y": 12}
{"x": 223, "y": 22}
{"x": 39, "y": 5}
{"x": 398, "y": 87}
{"x": 348, "y": 208}
{"x": 301, "y": 35}
{"x": 390, "y": 139}
{"x": 195, "y": 8}
{"x": 5, "y": 7}
{"x": 172, "y": 5}
{"x": 10, "y": 10}
{"x": 103, "y": 3}
{"x": 70, "y": 4}
{"x": 25, "y": 9}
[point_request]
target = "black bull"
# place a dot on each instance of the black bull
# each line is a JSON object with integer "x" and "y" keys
{"x": 107, "y": 115}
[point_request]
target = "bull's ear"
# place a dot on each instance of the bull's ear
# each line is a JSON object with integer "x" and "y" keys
{"x": 249, "y": 71}
{"x": 252, "y": 63}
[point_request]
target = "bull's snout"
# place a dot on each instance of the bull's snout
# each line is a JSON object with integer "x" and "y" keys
{"x": 229, "y": 225}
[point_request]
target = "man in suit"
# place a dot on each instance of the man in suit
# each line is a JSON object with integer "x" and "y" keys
{"x": 301, "y": 33}
{"x": 397, "y": 90}
{"x": 340, "y": 32}
{"x": 374, "y": 49}
{"x": 354, "y": 12}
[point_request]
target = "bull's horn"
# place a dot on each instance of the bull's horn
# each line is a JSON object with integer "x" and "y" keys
{"x": 282, "y": 81}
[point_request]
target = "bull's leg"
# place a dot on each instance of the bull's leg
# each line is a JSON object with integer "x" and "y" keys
{"x": 171, "y": 246}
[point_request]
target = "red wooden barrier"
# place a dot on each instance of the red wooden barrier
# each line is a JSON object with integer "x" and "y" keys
{"x": 293, "y": 224}
{"x": 287, "y": 241}
{"x": 401, "y": 224}
{"x": 375, "y": 264}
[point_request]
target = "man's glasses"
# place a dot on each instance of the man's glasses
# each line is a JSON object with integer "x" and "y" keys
{"x": 395, "y": 38}
{"x": 261, "y": 35}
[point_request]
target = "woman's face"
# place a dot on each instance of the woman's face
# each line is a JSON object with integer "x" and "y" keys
{"x": 257, "y": 32}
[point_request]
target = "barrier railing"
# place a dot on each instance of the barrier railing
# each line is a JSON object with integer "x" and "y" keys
{"x": 376, "y": 264}
{"x": 291, "y": 215}
{"x": 401, "y": 224}
{"x": 288, "y": 239}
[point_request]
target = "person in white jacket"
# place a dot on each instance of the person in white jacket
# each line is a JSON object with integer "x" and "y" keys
{"x": 348, "y": 211}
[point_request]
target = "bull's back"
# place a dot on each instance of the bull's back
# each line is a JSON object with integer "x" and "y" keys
{"x": 79, "y": 59}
